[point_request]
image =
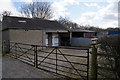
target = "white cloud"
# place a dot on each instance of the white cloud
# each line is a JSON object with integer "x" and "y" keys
{"x": 92, "y": 5}
{"x": 26, "y": 1}
{"x": 60, "y": 9}
{"x": 111, "y": 1}
{"x": 106, "y": 16}
{"x": 8, "y": 6}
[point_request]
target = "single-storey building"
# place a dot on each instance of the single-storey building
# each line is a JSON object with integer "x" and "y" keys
{"x": 108, "y": 33}
{"x": 33, "y": 31}
{"x": 114, "y": 32}
{"x": 80, "y": 37}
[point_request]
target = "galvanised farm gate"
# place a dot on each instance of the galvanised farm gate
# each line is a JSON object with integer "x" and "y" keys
{"x": 70, "y": 62}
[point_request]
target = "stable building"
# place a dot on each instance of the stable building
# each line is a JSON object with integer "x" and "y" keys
{"x": 80, "y": 37}
{"x": 34, "y": 31}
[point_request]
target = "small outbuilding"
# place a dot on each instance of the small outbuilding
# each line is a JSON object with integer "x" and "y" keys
{"x": 114, "y": 32}
{"x": 33, "y": 31}
{"x": 80, "y": 37}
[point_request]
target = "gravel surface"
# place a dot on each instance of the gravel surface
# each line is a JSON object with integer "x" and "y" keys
{"x": 12, "y": 68}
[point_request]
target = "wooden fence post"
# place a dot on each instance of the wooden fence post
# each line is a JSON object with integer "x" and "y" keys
{"x": 93, "y": 72}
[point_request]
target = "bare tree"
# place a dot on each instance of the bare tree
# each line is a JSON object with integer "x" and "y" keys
{"x": 6, "y": 13}
{"x": 37, "y": 10}
{"x": 0, "y": 17}
{"x": 109, "y": 47}
{"x": 67, "y": 23}
{"x": 63, "y": 20}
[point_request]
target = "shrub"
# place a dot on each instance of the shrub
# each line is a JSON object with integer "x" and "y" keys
{"x": 109, "y": 47}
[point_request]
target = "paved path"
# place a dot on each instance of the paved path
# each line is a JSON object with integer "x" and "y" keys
{"x": 13, "y": 68}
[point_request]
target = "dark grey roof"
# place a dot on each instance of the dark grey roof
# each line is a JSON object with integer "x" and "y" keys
{"x": 12, "y": 22}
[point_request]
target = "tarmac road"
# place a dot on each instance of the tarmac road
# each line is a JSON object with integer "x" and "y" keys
{"x": 13, "y": 68}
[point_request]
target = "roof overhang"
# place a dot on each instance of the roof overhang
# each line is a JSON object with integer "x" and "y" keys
{"x": 57, "y": 31}
{"x": 88, "y": 31}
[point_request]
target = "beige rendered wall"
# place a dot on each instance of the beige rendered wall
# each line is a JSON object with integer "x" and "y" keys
{"x": 36, "y": 37}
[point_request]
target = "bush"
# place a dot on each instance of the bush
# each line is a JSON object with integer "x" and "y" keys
{"x": 109, "y": 48}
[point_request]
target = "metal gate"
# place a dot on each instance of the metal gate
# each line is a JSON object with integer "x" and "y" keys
{"x": 71, "y": 62}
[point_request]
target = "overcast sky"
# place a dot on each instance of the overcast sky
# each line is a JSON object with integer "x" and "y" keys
{"x": 102, "y": 13}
